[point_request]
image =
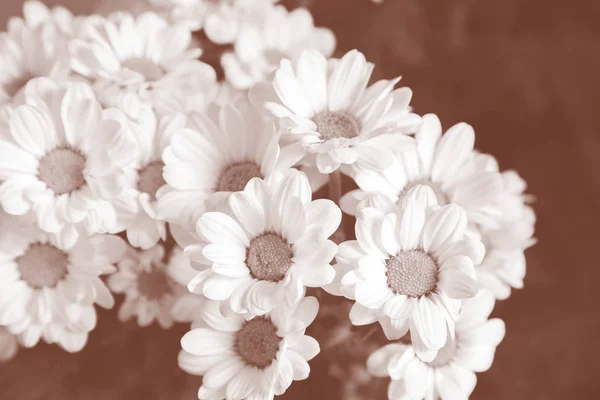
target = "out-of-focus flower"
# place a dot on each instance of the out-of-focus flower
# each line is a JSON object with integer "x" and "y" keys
{"x": 504, "y": 265}
{"x": 153, "y": 282}
{"x": 34, "y": 47}
{"x": 49, "y": 291}
{"x": 277, "y": 34}
{"x": 271, "y": 244}
{"x": 328, "y": 108}
{"x": 8, "y": 344}
{"x": 221, "y": 20}
{"x": 251, "y": 359}
{"x": 36, "y": 14}
{"x": 409, "y": 270}
{"x": 63, "y": 158}
{"x": 451, "y": 375}
{"x": 446, "y": 163}
{"x": 145, "y": 55}
{"x": 217, "y": 154}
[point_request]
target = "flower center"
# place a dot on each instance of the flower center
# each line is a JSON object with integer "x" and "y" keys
{"x": 235, "y": 177}
{"x": 42, "y": 265}
{"x": 269, "y": 257}
{"x": 62, "y": 170}
{"x": 442, "y": 198}
{"x": 412, "y": 273}
{"x": 150, "y": 178}
{"x": 150, "y": 70}
{"x": 154, "y": 284}
{"x": 257, "y": 342}
{"x": 331, "y": 125}
{"x": 445, "y": 354}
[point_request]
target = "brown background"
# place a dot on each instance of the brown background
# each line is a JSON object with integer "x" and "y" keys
{"x": 524, "y": 73}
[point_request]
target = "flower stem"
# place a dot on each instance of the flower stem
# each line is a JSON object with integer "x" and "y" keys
{"x": 335, "y": 194}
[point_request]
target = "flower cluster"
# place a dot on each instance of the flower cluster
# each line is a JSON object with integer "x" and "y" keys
{"x": 172, "y": 155}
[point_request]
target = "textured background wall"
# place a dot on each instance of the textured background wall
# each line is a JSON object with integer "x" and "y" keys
{"x": 525, "y": 74}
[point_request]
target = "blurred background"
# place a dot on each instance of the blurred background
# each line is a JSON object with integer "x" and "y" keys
{"x": 525, "y": 74}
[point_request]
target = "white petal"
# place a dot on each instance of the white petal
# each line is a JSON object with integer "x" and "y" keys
{"x": 285, "y": 376}
{"x": 307, "y": 347}
{"x": 430, "y": 323}
{"x": 248, "y": 212}
{"x": 453, "y": 150}
{"x": 217, "y": 227}
{"x": 489, "y": 333}
{"x": 218, "y": 287}
{"x": 222, "y": 373}
{"x": 206, "y": 342}
{"x": 399, "y": 362}
{"x": 471, "y": 248}
{"x": 377, "y": 363}
{"x": 348, "y": 80}
{"x": 324, "y": 216}
{"x": 241, "y": 385}
{"x": 361, "y": 315}
{"x": 446, "y": 225}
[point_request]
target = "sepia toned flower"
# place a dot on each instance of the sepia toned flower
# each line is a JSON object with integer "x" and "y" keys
{"x": 410, "y": 269}
{"x": 49, "y": 291}
{"x": 272, "y": 243}
{"x": 328, "y": 108}
{"x": 256, "y": 358}
{"x": 64, "y": 159}
{"x": 152, "y": 282}
{"x": 451, "y": 374}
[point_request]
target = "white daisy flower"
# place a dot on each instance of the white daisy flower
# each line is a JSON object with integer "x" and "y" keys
{"x": 504, "y": 265}
{"x": 152, "y": 282}
{"x": 49, "y": 291}
{"x": 33, "y": 47}
{"x": 254, "y": 359}
{"x": 451, "y": 375}
{"x": 137, "y": 204}
{"x": 409, "y": 269}
{"x": 144, "y": 54}
{"x": 218, "y": 154}
{"x": 268, "y": 248}
{"x": 276, "y": 35}
{"x": 329, "y": 109}
{"x": 446, "y": 163}
{"x": 64, "y": 159}
{"x": 8, "y": 345}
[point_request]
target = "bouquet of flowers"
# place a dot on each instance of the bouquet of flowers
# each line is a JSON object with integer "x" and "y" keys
{"x": 200, "y": 156}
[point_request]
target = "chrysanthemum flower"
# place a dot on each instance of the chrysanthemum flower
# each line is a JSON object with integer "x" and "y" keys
{"x": 451, "y": 375}
{"x": 49, "y": 291}
{"x": 137, "y": 204}
{"x": 216, "y": 155}
{"x": 446, "y": 163}
{"x": 8, "y": 344}
{"x": 511, "y": 233}
{"x": 410, "y": 269}
{"x": 65, "y": 160}
{"x": 330, "y": 110}
{"x": 263, "y": 43}
{"x": 144, "y": 54}
{"x": 33, "y": 47}
{"x": 152, "y": 283}
{"x": 252, "y": 359}
{"x": 268, "y": 248}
